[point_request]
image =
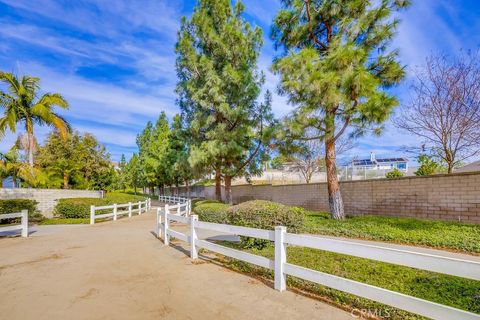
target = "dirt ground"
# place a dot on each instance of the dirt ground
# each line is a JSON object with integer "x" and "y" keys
{"x": 120, "y": 270}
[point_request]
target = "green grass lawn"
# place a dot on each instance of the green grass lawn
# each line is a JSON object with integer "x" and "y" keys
{"x": 429, "y": 233}
{"x": 54, "y": 221}
{"x": 436, "y": 234}
{"x": 448, "y": 290}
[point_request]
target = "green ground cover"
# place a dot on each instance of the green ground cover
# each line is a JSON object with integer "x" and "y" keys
{"x": 444, "y": 289}
{"x": 435, "y": 234}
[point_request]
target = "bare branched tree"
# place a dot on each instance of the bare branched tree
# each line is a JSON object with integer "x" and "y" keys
{"x": 309, "y": 157}
{"x": 445, "y": 108}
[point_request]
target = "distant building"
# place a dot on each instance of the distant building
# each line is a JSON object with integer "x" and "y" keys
{"x": 471, "y": 167}
{"x": 116, "y": 165}
{"x": 380, "y": 163}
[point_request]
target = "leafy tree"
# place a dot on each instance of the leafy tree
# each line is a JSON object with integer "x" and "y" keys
{"x": 335, "y": 69}
{"x": 219, "y": 83}
{"x": 395, "y": 173}
{"x": 428, "y": 165}
{"x": 181, "y": 171}
{"x": 153, "y": 144}
{"x": 78, "y": 161}
{"x": 121, "y": 174}
{"x": 22, "y": 105}
{"x": 134, "y": 171}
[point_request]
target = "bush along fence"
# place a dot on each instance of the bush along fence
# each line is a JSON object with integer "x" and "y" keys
{"x": 22, "y": 226}
{"x": 119, "y": 210}
{"x": 282, "y": 239}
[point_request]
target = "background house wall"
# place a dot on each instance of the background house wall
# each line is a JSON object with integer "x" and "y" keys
{"x": 441, "y": 197}
{"x": 47, "y": 198}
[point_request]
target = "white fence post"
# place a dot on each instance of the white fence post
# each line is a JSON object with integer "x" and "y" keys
{"x": 92, "y": 214}
{"x": 25, "y": 223}
{"x": 193, "y": 237}
{"x": 114, "y": 211}
{"x": 159, "y": 221}
{"x": 165, "y": 225}
{"x": 129, "y": 209}
{"x": 139, "y": 207}
{"x": 149, "y": 200}
{"x": 178, "y": 209}
{"x": 280, "y": 258}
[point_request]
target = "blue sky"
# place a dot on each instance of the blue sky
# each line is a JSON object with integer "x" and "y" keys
{"x": 115, "y": 62}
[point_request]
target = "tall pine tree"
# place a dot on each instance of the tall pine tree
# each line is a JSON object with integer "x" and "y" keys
{"x": 336, "y": 68}
{"x": 219, "y": 83}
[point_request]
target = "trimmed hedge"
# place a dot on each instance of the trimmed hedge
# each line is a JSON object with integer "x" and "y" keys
{"x": 263, "y": 214}
{"x": 17, "y": 205}
{"x": 211, "y": 211}
{"x": 74, "y": 208}
{"x": 258, "y": 214}
{"x": 77, "y": 207}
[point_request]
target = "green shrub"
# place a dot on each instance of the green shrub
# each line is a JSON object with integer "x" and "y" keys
{"x": 80, "y": 207}
{"x": 395, "y": 173}
{"x": 210, "y": 211}
{"x": 17, "y": 205}
{"x": 77, "y": 207}
{"x": 263, "y": 214}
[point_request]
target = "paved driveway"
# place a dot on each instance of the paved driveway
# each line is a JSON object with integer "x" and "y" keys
{"x": 120, "y": 270}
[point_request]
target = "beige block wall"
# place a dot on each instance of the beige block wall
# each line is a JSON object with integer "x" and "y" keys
{"x": 443, "y": 197}
{"x": 47, "y": 198}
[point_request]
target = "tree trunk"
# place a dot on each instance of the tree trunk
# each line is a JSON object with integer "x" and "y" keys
{"x": 187, "y": 184}
{"x": 334, "y": 196}
{"x": 218, "y": 185}
{"x": 450, "y": 167}
{"x": 14, "y": 180}
{"x": 31, "y": 146}
{"x": 228, "y": 190}
{"x": 177, "y": 188}
{"x": 65, "y": 181}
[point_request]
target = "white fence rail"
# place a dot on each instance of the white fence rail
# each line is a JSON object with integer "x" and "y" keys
{"x": 22, "y": 226}
{"x": 451, "y": 266}
{"x": 119, "y": 210}
{"x": 182, "y": 205}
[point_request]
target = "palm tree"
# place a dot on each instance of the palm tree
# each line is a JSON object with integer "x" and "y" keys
{"x": 11, "y": 165}
{"x": 22, "y": 105}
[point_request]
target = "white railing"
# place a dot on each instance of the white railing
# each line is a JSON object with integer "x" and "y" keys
{"x": 22, "y": 226}
{"x": 182, "y": 205}
{"x": 281, "y": 238}
{"x": 172, "y": 199}
{"x": 120, "y": 209}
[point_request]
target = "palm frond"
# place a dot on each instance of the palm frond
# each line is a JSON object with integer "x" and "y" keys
{"x": 53, "y": 99}
{"x": 11, "y": 80}
{"x": 31, "y": 84}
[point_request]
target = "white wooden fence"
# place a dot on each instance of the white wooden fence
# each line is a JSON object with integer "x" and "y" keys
{"x": 22, "y": 226}
{"x": 182, "y": 205}
{"x": 120, "y": 209}
{"x": 281, "y": 238}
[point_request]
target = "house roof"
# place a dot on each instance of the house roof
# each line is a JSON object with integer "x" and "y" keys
{"x": 369, "y": 162}
{"x": 474, "y": 166}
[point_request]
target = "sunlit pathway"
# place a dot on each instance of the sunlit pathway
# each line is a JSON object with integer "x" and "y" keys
{"x": 120, "y": 270}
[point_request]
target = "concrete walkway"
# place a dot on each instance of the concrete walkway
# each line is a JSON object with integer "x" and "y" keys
{"x": 120, "y": 270}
